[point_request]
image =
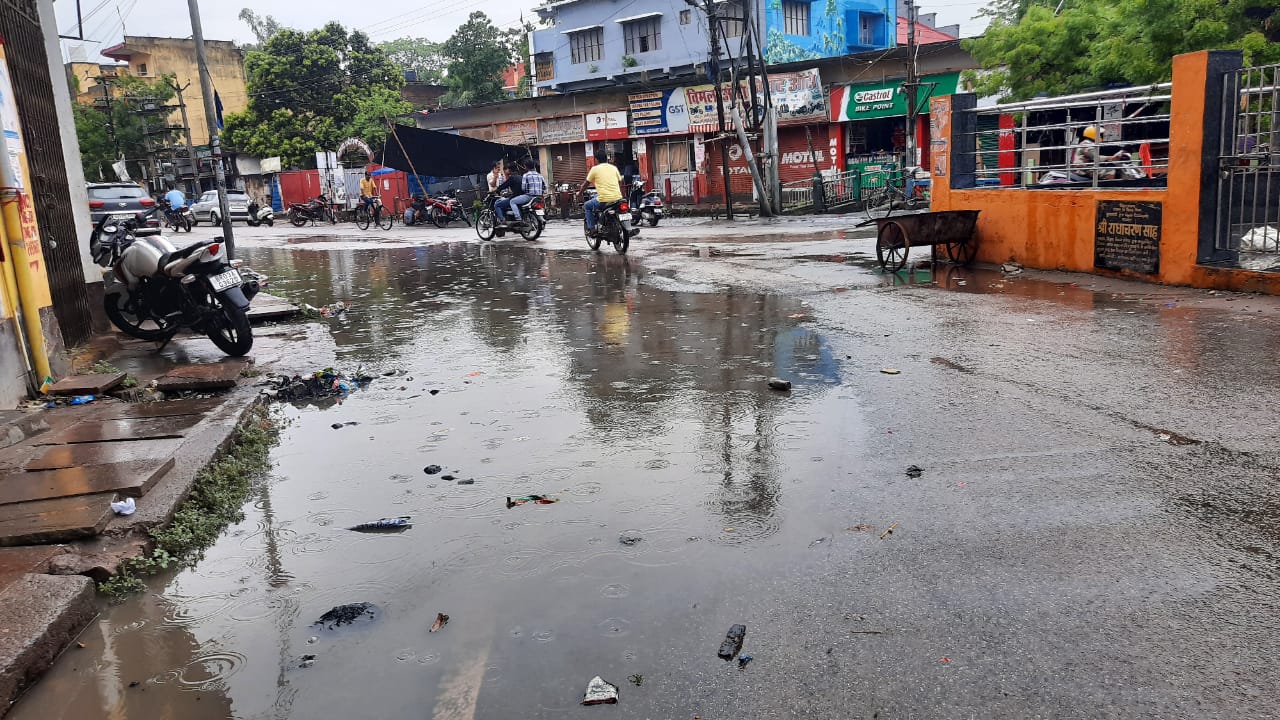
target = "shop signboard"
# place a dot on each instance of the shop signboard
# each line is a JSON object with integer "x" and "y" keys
{"x": 520, "y": 132}
{"x": 553, "y": 131}
{"x": 607, "y": 126}
{"x": 797, "y": 96}
{"x": 661, "y": 112}
{"x": 887, "y": 99}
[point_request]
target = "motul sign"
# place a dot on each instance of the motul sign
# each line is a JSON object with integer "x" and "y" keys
{"x": 873, "y": 96}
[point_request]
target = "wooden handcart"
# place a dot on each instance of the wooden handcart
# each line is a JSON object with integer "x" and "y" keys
{"x": 951, "y": 229}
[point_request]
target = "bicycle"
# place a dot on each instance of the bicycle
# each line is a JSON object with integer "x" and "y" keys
{"x": 888, "y": 191}
{"x": 380, "y": 217}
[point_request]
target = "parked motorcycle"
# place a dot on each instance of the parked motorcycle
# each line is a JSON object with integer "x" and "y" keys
{"x": 444, "y": 209}
{"x": 530, "y": 227}
{"x": 153, "y": 289}
{"x": 645, "y": 207}
{"x": 180, "y": 219}
{"x": 318, "y": 210}
{"x": 1124, "y": 167}
{"x": 611, "y": 225}
{"x": 261, "y": 215}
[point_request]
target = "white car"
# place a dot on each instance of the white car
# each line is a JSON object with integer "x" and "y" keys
{"x": 206, "y": 208}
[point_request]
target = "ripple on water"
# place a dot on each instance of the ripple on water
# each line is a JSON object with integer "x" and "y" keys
{"x": 614, "y": 627}
{"x": 615, "y": 591}
{"x": 208, "y": 671}
{"x": 190, "y": 610}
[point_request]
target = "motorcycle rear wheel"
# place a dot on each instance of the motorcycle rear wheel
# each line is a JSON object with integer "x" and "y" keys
{"x": 232, "y": 334}
{"x": 651, "y": 218}
{"x": 130, "y": 324}
{"x": 531, "y": 229}
{"x": 296, "y": 218}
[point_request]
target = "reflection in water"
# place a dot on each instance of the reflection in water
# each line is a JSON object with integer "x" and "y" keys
{"x": 642, "y": 408}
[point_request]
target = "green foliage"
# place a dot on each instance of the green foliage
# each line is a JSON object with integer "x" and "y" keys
{"x": 478, "y": 52}
{"x": 101, "y": 367}
{"x": 629, "y": 62}
{"x": 309, "y": 91}
{"x": 1030, "y": 50}
{"x": 128, "y": 119}
{"x": 263, "y": 27}
{"x": 420, "y": 55}
{"x": 216, "y": 501}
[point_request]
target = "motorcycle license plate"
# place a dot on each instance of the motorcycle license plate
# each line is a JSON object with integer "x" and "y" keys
{"x": 222, "y": 281}
{"x": 657, "y": 211}
{"x": 624, "y": 217}
{"x": 541, "y": 213}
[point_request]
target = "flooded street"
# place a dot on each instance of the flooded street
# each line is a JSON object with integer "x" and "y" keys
{"x": 1062, "y": 554}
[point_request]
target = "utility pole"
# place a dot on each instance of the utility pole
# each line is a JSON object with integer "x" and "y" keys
{"x": 910, "y": 86}
{"x": 211, "y": 119}
{"x": 713, "y": 24}
{"x": 186, "y": 128}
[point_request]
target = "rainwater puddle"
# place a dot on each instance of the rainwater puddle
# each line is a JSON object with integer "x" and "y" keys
{"x": 640, "y": 406}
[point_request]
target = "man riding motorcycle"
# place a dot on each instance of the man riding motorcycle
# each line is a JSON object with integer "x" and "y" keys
{"x": 607, "y": 181}
{"x": 514, "y": 184}
{"x": 532, "y": 185}
{"x": 1086, "y": 162}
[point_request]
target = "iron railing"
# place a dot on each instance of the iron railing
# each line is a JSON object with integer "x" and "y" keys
{"x": 1038, "y": 143}
{"x": 840, "y": 189}
{"x": 1248, "y": 226}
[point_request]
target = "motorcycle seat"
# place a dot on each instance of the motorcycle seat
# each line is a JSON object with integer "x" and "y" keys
{"x": 180, "y": 254}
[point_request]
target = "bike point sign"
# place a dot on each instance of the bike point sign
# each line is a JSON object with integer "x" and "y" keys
{"x": 887, "y": 99}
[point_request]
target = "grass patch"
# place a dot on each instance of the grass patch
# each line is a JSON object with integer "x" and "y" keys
{"x": 216, "y": 501}
{"x": 101, "y": 367}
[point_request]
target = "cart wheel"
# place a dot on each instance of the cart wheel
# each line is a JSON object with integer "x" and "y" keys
{"x": 962, "y": 253}
{"x": 892, "y": 246}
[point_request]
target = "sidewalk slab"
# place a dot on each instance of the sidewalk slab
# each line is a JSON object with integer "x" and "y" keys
{"x": 41, "y": 615}
{"x": 18, "y": 561}
{"x": 165, "y": 408}
{"x": 132, "y": 479}
{"x": 16, "y": 426}
{"x": 52, "y": 521}
{"x": 123, "y": 430}
{"x": 270, "y": 307}
{"x": 205, "y": 376}
{"x": 105, "y": 453}
{"x": 95, "y": 384}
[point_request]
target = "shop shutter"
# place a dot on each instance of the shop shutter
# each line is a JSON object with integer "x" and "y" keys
{"x": 796, "y": 163}
{"x": 739, "y": 181}
{"x": 569, "y": 163}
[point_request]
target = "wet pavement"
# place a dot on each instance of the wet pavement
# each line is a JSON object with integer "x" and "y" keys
{"x": 1094, "y": 533}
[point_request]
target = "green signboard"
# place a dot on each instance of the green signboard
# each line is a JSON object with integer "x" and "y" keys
{"x": 887, "y": 99}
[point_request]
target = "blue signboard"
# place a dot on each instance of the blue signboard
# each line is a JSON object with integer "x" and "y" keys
{"x": 661, "y": 112}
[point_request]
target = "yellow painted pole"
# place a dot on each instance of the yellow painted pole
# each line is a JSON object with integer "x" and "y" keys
{"x": 22, "y": 236}
{"x": 11, "y": 307}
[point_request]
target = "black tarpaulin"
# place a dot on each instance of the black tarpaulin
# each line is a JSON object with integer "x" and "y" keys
{"x": 442, "y": 154}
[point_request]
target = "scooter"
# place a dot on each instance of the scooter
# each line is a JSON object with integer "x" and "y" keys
{"x": 261, "y": 215}
{"x": 645, "y": 207}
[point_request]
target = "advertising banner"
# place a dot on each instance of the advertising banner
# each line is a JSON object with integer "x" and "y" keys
{"x": 607, "y": 126}
{"x": 662, "y": 112}
{"x": 520, "y": 132}
{"x": 552, "y": 131}
{"x": 887, "y": 99}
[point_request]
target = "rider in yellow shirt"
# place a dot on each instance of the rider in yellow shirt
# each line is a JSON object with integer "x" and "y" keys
{"x": 369, "y": 191}
{"x": 608, "y": 181}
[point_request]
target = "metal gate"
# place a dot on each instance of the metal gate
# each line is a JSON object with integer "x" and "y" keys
{"x": 29, "y": 69}
{"x": 1248, "y": 227}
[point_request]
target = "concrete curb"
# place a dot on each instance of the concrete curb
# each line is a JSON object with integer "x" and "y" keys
{"x": 41, "y": 616}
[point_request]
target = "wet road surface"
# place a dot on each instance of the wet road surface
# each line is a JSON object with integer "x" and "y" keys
{"x": 1094, "y": 533}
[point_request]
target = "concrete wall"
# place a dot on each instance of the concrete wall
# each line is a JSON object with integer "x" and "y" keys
{"x": 834, "y": 29}
{"x": 164, "y": 56}
{"x": 1055, "y": 229}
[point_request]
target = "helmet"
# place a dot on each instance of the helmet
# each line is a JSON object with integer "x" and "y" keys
{"x": 1093, "y": 132}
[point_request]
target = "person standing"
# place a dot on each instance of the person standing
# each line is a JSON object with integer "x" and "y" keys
{"x": 607, "y": 180}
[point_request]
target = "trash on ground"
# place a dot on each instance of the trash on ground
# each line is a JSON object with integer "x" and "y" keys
{"x": 600, "y": 692}
{"x": 891, "y": 371}
{"x": 476, "y": 373}
{"x": 339, "y": 426}
{"x": 432, "y": 469}
{"x": 732, "y": 642}
{"x": 441, "y": 621}
{"x": 468, "y": 481}
{"x": 743, "y": 660}
{"x": 448, "y": 477}
{"x": 334, "y": 310}
{"x": 636, "y": 679}
{"x": 861, "y": 527}
{"x": 629, "y": 539}
{"x": 307, "y": 661}
{"x": 914, "y": 471}
{"x": 537, "y": 499}
{"x": 888, "y": 531}
{"x": 82, "y": 400}
{"x": 392, "y": 524}
{"x": 819, "y": 541}
{"x": 124, "y": 507}
{"x": 1011, "y": 268}
{"x": 346, "y": 614}
{"x": 433, "y": 392}
{"x": 776, "y": 383}
{"x": 322, "y": 383}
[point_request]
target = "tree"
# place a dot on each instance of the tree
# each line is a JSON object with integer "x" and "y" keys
{"x": 1041, "y": 46}
{"x": 137, "y": 108}
{"x": 478, "y": 53}
{"x": 263, "y": 27}
{"x": 418, "y": 55}
{"x": 308, "y": 91}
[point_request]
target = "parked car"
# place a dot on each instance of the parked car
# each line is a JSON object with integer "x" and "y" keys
{"x": 119, "y": 199}
{"x": 206, "y": 208}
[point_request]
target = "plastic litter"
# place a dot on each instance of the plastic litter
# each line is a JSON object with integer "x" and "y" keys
{"x": 468, "y": 481}
{"x": 732, "y": 642}
{"x": 322, "y": 383}
{"x": 395, "y": 524}
{"x": 450, "y": 478}
{"x": 743, "y": 660}
{"x": 891, "y": 371}
{"x": 537, "y": 499}
{"x": 124, "y": 507}
{"x": 339, "y": 426}
{"x": 441, "y": 621}
{"x": 341, "y": 615}
{"x": 432, "y": 469}
{"x": 82, "y": 400}
{"x": 334, "y": 310}
{"x": 779, "y": 384}
{"x": 307, "y": 661}
{"x": 600, "y": 692}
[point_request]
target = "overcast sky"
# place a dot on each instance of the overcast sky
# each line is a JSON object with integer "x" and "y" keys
{"x": 105, "y": 20}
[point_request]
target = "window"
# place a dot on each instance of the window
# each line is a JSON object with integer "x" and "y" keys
{"x": 586, "y": 45}
{"x": 867, "y": 30}
{"x": 732, "y": 16}
{"x": 142, "y": 68}
{"x": 643, "y": 36}
{"x": 686, "y": 17}
{"x": 544, "y": 65}
{"x": 795, "y": 17}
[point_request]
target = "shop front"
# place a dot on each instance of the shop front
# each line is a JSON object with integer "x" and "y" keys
{"x": 869, "y": 130}
{"x": 563, "y": 149}
{"x": 661, "y": 141}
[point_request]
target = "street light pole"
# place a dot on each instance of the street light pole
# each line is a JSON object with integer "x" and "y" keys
{"x": 211, "y": 119}
{"x": 714, "y": 63}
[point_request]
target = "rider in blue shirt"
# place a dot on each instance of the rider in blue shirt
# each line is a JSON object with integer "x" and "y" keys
{"x": 176, "y": 198}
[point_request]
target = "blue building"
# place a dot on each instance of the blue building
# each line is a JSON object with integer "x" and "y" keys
{"x": 598, "y": 43}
